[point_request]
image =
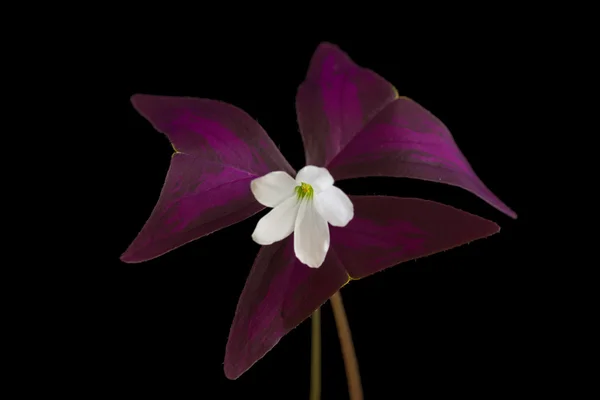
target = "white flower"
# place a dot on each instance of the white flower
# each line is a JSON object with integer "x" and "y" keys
{"x": 303, "y": 206}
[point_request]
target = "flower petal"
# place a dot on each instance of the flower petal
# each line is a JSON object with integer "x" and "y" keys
{"x": 311, "y": 235}
{"x": 319, "y": 178}
{"x": 219, "y": 150}
{"x": 278, "y": 223}
{"x": 335, "y": 206}
{"x": 273, "y": 188}
{"x": 335, "y": 101}
{"x": 389, "y": 230}
{"x": 279, "y": 294}
{"x": 406, "y": 140}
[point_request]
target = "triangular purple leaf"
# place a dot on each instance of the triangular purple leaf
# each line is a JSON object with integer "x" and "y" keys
{"x": 386, "y": 231}
{"x": 280, "y": 292}
{"x": 335, "y": 101}
{"x": 406, "y": 140}
{"x": 219, "y": 150}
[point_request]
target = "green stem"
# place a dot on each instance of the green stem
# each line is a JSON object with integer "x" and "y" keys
{"x": 315, "y": 361}
{"x": 350, "y": 362}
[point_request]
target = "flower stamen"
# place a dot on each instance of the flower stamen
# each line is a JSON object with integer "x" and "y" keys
{"x": 304, "y": 190}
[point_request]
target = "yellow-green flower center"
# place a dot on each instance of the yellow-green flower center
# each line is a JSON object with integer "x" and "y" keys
{"x": 304, "y": 190}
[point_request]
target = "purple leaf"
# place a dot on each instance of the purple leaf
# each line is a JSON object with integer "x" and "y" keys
{"x": 386, "y": 231}
{"x": 335, "y": 101}
{"x": 219, "y": 150}
{"x": 406, "y": 140}
{"x": 281, "y": 292}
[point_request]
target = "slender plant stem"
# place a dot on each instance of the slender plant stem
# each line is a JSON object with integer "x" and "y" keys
{"x": 315, "y": 361}
{"x": 350, "y": 362}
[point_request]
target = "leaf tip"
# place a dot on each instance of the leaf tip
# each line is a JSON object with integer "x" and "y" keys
{"x": 230, "y": 372}
{"x": 129, "y": 257}
{"x": 126, "y": 258}
{"x": 137, "y": 98}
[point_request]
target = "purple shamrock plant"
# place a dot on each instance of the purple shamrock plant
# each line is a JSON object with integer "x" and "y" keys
{"x": 353, "y": 124}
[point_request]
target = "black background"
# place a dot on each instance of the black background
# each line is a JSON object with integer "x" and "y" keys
{"x": 459, "y": 322}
